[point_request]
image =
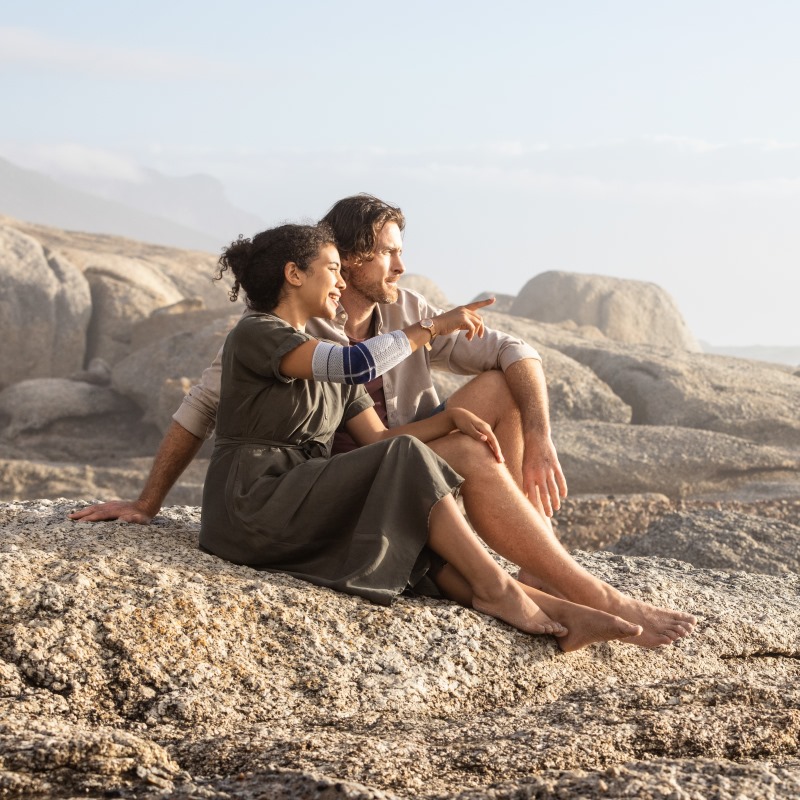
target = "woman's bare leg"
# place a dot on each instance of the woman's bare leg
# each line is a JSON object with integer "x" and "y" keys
{"x": 513, "y": 527}
{"x": 493, "y": 591}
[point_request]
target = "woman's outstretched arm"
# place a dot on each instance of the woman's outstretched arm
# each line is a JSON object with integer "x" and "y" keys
{"x": 367, "y": 360}
{"x": 367, "y": 427}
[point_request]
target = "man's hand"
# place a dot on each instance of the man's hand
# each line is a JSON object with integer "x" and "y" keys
{"x": 542, "y": 475}
{"x": 463, "y": 318}
{"x": 124, "y": 510}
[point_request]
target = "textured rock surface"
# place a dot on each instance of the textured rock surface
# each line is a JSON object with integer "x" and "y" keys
{"x": 624, "y": 310}
{"x": 188, "y": 270}
{"x": 157, "y": 377}
{"x": 44, "y": 307}
{"x": 428, "y": 289}
{"x": 130, "y": 662}
{"x": 720, "y": 539}
{"x": 751, "y": 399}
{"x": 34, "y": 404}
{"x": 124, "y": 292}
{"x": 679, "y": 462}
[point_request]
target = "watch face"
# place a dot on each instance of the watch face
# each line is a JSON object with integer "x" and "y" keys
{"x": 426, "y": 323}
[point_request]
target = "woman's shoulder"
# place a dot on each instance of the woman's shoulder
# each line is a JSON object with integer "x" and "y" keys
{"x": 261, "y": 323}
{"x": 258, "y": 335}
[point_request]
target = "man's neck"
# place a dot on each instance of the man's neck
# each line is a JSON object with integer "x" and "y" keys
{"x": 359, "y": 314}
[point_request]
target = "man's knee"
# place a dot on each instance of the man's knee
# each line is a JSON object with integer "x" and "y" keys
{"x": 467, "y": 456}
{"x": 487, "y": 395}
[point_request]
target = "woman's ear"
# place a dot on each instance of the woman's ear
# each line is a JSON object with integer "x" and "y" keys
{"x": 293, "y": 274}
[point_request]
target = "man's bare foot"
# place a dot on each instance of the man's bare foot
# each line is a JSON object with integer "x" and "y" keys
{"x": 585, "y": 625}
{"x": 516, "y": 608}
{"x": 660, "y": 626}
{"x": 529, "y": 579}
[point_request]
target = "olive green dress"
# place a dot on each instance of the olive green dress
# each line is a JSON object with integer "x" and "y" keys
{"x": 275, "y": 499}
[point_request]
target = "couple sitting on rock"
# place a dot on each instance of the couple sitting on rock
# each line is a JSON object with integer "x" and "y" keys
{"x": 334, "y": 461}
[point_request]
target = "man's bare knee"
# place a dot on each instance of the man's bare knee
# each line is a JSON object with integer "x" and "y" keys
{"x": 467, "y": 456}
{"x": 486, "y": 395}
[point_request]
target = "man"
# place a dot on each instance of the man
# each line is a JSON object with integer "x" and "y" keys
{"x": 508, "y": 391}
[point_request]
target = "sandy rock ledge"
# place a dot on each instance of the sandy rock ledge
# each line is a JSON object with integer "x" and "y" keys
{"x": 131, "y": 664}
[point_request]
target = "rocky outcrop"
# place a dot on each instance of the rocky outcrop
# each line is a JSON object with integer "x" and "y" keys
{"x": 124, "y": 291}
{"x": 156, "y": 377}
{"x": 679, "y": 462}
{"x": 35, "y": 404}
{"x": 719, "y": 539}
{"x": 133, "y": 664}
{"x": 45, "y": 308}
{"x": 87, "y": 291}
{"x": 427, "y": 288}
{"x": 750, "y": 399}
{"x": 624, "y": 310}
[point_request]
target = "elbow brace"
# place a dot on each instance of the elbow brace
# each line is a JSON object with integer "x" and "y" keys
{"x": 360, "y": 362}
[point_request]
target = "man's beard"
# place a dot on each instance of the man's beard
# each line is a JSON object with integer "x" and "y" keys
{"x": 374, "y": 291}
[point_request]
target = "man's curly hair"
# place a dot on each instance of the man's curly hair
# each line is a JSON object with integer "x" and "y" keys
{"x": 357, "y": 221}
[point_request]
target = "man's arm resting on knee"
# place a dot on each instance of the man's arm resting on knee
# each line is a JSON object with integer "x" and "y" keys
{"x": 541, "y": 469}
{"x": 175, "y": 453}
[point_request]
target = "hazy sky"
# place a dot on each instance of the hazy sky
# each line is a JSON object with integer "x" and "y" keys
{"x": 650, "y": 140}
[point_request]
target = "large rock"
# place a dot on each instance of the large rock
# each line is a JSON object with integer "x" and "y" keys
{"x": 719, "y": 539}
{"x": 44, "y": 307}
{"x": 427, "y": 288}
{"x": 133, "y": 663}
{"x": 124, "y": 291}
{"x": 576, "y": 393}
{"x": 188, "y": 270}
{"x": 157, "y": 376}
{"x": 185, "y": 316}
{"x": 36, "y": 403}
{"x": 625, "y": 310}
{"x": 601, "y": 457}
{"x": 752, "y": 399}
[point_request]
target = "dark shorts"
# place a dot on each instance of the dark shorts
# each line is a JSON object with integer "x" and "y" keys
{"x": 438, "y": 409}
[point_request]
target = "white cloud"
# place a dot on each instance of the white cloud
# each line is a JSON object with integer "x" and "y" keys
{"x": 29, "y": 47}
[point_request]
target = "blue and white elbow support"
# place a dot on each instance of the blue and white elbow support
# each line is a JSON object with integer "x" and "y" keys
{"x": 360, "y": 362}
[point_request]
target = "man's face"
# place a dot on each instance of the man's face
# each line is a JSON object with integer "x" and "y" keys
{"x": 376, "y": 279}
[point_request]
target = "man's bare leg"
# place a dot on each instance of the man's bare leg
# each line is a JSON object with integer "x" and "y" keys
{"x": 489, "y": 397}
{"x": 492, "y": 591}
{"x": 584, "y": 625}
{"x": 508, "y": 523}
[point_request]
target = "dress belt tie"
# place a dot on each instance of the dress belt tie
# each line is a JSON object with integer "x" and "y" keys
{"x": 308, "y": 447}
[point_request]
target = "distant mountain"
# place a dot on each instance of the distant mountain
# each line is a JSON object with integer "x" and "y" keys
{"x": 34, "y": 197}
{"x": 196, "y": 201}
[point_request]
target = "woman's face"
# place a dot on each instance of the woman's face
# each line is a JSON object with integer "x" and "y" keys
{"x": 323, "y": 284}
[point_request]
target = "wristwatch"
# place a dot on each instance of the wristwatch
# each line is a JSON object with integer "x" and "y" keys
{"x": 428, "y": 325}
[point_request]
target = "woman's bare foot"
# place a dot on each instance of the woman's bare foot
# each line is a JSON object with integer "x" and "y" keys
{"x": 515, "y": 607}
{"x": 660, "y": 626}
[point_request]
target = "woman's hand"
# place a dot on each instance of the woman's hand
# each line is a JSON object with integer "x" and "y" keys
{"x": 462, "y": 318}
{"x": 471, "y": 425}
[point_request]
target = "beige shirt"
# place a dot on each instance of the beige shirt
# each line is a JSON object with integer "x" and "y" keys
{"x": 408, "y": 387}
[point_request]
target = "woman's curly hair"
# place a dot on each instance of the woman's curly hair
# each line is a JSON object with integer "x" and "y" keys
{"x": 257, "y": 264}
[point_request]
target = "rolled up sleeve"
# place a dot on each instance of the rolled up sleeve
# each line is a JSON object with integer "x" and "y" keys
{"x": 198, "y": 411}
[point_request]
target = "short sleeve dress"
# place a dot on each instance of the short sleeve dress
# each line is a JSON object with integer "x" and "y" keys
{"x": 275, "y": 499}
